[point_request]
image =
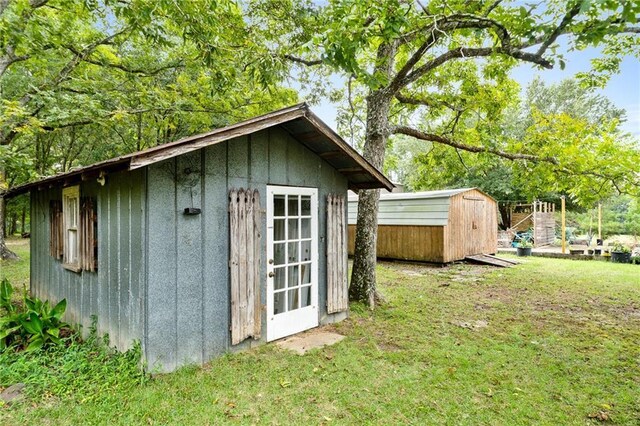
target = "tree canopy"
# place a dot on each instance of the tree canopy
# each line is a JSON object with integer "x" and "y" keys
{"x": 438, "y": 72}
{"x": 85, "y": 81}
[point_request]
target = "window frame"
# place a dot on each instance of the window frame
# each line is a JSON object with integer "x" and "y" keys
{"x": 70, "y": 193}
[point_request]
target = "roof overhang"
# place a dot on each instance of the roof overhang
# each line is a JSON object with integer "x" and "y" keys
{"x": 298, "y": 120}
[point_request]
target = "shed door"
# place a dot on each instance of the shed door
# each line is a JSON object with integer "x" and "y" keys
{"x": 292, "y": 267}
{"x": 474, "y": 215}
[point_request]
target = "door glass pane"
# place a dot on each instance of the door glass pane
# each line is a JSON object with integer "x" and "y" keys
{"x": 293, "y": 252}
{"x": 305, "y": 205}
{"x": 279, "y": 253}
{"x": 293, "y": 298}
{"x": 306, "y": 273}
{"x": 278, "y": 205}
{"x": 293, "y": 275}
{"x": 305, "y": 296}
{"x": 305, "y": 227}
{"x": 305, "y": 250}
{"x": 293, "y": 205}
{"x": 293, "y": 229}
{"x": 279, "y": 302}
{"x": 279, "y": 278}
{"x": 278, "y": 230}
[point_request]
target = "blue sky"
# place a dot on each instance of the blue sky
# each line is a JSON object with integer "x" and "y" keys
{"x": 623, "y": 89}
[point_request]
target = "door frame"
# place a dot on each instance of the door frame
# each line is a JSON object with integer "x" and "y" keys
{"x": 300, "y": 319}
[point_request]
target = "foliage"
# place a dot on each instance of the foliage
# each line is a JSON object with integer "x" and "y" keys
{"x": 525, "y": 244}
{"x": 533, "y": 363}
{"x": 620, "y": 216}
{"x": 31, "y": 326}
{"x": 79, "y": 371}
{"x": 620, "y": 248}
{"x": 576, "y": 125}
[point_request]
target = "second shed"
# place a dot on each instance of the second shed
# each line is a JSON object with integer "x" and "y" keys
{"x": 433, "y": 226}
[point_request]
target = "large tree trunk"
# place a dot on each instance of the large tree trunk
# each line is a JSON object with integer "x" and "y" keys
{"x": 363, "y": 276}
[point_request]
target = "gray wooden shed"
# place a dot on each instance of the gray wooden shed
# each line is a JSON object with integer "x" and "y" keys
{"x": 208, "y": 244}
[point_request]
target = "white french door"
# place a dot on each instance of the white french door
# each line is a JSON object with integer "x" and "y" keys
{"x": 292, "y": 260}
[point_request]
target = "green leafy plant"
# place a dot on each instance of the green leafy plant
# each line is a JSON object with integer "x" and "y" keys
{"x": 31, "y": 326}
{"x": 620, "y": 248}
{"x": 525, "y": 244}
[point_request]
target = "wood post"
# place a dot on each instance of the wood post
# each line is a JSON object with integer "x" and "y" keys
{"x": 564, "y": 228}
{"x": 535, "y": 236}
{"x": 599, "y": 221}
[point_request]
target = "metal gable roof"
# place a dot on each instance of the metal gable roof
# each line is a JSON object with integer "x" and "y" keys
{"x": 298, "y": 120}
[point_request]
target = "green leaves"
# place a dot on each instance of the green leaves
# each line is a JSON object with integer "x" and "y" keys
{"x": 31, "y": 327}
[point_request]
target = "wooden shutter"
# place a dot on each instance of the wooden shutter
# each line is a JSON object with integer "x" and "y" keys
{"x": 337, "y": 289}
{"x": 88, "y": 235}
{"x": 56, "y": 233}
{"x": 244, "y": 264}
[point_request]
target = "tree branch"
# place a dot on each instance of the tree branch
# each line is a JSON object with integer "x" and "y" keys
{"x": 466, "y": 52}
{"x": 125, "y": 68}
{"x": 307, "y": 62}
{"x": 566, "y": 20}
{"x": 441, "y": 27}
{"x": 404, "y": 130}
{"x": 426, "y": 102}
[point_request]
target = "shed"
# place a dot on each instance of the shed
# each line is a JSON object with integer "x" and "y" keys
{"x": 209, "y": 244}
{"x": 433, "y": 226}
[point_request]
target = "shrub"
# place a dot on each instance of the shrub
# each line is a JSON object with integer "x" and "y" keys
{"x": 31, "y": 326}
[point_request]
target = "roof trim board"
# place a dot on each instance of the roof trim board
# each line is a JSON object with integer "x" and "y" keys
{"x": 360, "y": 173}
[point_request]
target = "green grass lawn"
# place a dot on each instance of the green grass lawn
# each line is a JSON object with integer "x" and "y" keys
{"x": 547, "y": 342}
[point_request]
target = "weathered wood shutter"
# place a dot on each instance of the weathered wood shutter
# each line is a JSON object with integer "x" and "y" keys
{"x": 337, "y": 290}
{"x": 56, "y": 233}
{"x": 244, "y": 264}
{"x": 88, "y": 235}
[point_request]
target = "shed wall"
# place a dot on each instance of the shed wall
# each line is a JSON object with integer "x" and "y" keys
{"x": 406, "y": 242}
{"x": 115, "y": 293}
{"x": 188, "y": 301}
{"x": 472, "y": 226}
{"x": 418, "y": 211}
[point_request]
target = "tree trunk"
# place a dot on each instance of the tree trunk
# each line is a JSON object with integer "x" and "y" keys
{"x": 22, "y": 224}
{"x": 5, "y": 253}
{"x": 363, "y": 276}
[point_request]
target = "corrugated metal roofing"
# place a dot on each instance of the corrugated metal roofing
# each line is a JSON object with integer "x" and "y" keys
{"x": 427, "y": 208}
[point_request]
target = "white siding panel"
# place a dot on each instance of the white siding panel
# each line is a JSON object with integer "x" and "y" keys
{"x": 418, "y": 211}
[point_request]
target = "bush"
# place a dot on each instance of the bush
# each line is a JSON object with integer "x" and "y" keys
{"x": 31, "y": 326}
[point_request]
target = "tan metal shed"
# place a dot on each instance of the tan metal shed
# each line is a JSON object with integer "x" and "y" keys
{"x": 433, "y": 226}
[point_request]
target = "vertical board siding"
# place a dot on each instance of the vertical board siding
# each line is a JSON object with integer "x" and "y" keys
{"x": 90, "y": 293}
{"x": 337, "y": 290}
{"x": 268, "y": 157}
{"x": 244, "y": 263}
{"x": 188, "y": 260}
{"x": 403, "y": 242}
{"x": 215, "y": 288}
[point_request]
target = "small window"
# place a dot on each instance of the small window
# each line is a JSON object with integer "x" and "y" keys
{"x": 71, "y": 214}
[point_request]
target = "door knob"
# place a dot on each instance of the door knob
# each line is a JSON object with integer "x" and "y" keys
{"x": 271, "y": 274}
